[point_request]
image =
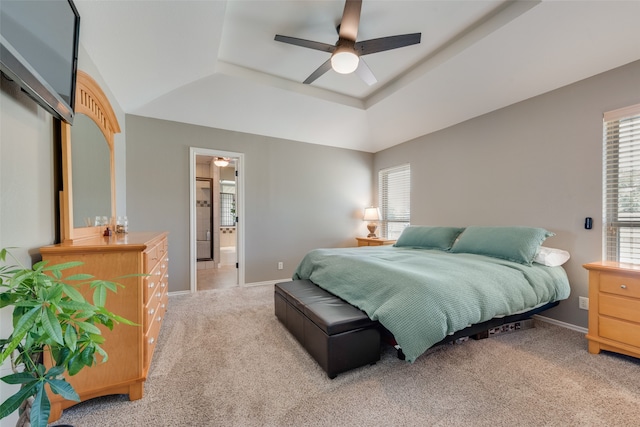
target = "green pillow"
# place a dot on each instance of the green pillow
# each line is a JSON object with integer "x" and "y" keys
{"x": 416, "y": 236}
{"x": 518, "y": 244}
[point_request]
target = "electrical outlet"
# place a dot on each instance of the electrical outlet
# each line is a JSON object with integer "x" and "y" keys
{"x": 280, "y": 265}
{"x": 583, "y": 303}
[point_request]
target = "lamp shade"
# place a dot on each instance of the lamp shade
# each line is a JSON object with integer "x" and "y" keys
{"x": 371, "y": 214}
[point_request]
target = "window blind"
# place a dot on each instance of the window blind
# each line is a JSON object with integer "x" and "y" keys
{"x": 622, "y": 185}
{"x": 394, "y": 193}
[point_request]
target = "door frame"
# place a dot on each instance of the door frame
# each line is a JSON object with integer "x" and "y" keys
{"x": 196, "y": 151}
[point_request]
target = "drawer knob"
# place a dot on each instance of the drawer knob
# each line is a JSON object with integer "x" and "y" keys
{"x": 151, "y": 311}
{"x": 152, "y": 340}
{"x": 159, "y": 319}
{"x": 151, "y": 284}
{"x": 623, "y": 286}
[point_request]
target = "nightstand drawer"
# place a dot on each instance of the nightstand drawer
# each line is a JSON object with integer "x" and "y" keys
{"x": 621, "y": 308}
{"x": 620, "y": 284}
{"x": 619, "y": 330}
{"x": 368, "y": 241}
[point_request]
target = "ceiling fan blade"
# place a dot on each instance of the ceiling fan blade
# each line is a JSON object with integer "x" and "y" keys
{"x": 367, "y": 47}
{"x": 305, "y": 43}
{"x": 364, "y": 72}
{"x": 350, "y": 20}
{"x": 317, "y": 73}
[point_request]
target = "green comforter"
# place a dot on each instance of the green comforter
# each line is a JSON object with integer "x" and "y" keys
{"x": 423, "y": 295}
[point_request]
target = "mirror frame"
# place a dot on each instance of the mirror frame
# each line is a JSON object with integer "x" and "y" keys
{"x": 92, "y": 102}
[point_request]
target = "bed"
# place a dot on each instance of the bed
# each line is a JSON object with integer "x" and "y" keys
{"x": 436, "y": 281}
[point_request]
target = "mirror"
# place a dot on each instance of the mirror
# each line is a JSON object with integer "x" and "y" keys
{"x": 88, "y": 163}
{"x": 91, "y": 165}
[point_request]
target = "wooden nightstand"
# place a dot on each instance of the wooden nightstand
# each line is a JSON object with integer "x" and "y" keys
{"x": 614, "y": 307}
{"x": 368, "y": 241}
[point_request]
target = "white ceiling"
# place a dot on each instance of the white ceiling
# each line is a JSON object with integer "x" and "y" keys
{"x": 215, "y": 63}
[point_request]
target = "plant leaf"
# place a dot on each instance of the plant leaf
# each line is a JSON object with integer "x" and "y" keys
{"x": 26, "y": 321}
{"x": 71, "y": 338}
{"x": 54, "y": 372}
{"x": 64, "y": 389}
{"x": 62, "y": 266}
{"x": 73, "y": 293}
{"x": 88, "y": 327}
{"x": 13, "y": 344}
{"x": 41, "y": 407}
{"x": 51, "y": 325}
{"x": 14, "y": 402}
{"x": 76, "y": 306}
{"x": 18, "y": 378}
{"x": 100, "y": 296}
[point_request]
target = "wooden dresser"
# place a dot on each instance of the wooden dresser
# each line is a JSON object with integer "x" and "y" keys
{"x": 142, "y": 299}
{"x": 614, "y": 307}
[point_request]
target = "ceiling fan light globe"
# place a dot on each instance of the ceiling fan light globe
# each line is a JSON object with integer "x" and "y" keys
{"x": 344, "y": 62}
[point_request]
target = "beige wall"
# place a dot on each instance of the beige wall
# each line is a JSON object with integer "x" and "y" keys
{"x": 298, "y": 196}
{"x": 535, "y": 163}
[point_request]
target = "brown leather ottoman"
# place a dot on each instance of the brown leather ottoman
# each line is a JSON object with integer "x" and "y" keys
{"x": 336, "y": 334}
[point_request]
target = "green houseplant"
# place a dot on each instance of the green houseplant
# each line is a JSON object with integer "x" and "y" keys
{"x": 50, "y": 315}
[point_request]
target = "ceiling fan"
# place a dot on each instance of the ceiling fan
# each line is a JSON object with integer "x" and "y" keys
{"x": 346, "y": 53}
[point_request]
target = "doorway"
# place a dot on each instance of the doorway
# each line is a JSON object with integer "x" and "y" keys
{"x": 216, "y": 199}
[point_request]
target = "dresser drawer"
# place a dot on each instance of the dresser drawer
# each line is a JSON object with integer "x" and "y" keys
{"x": 156, "y": 253}
{"x": 620, "y": 284}
{"x": 151, "y": 339}
{"x": 152, "y": 283}
{"x": 151, "y": 257}
{"x": 619, "y": 330}
{"x": 155, "y": 308}
{"x": 621, "y": 308}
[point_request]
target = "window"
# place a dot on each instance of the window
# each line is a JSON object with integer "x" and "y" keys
{"x": 622, "y": 185}
{"x": 394, "y": 191}
{"x": 227, "y": 210}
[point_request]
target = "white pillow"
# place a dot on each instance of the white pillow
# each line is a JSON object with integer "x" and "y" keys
{"x": 551, "y": 257}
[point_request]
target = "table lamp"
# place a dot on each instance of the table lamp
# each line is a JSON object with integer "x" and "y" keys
{"x": 372, "y": 215}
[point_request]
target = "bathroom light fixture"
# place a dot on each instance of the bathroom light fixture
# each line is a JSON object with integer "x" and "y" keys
{"x": 372, "y": 215}
{"x": 221, "y": 162}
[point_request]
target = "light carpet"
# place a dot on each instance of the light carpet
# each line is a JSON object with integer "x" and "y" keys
{"x": 223, "y": 359}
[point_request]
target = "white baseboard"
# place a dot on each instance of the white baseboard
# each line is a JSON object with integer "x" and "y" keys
{"x": 560, "y": 323}
{"x": 174, "y": 293}
{"x": 246, "y": 285}
{"x": 268, "y": 282}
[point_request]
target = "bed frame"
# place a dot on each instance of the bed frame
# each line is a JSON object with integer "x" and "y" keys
{"x": 477, "y": 331}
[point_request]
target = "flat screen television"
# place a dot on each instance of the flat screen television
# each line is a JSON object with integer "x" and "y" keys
{"x": 39, "y": 51}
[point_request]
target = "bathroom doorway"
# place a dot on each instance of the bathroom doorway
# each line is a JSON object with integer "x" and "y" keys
{"x": 216, "y": 199}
